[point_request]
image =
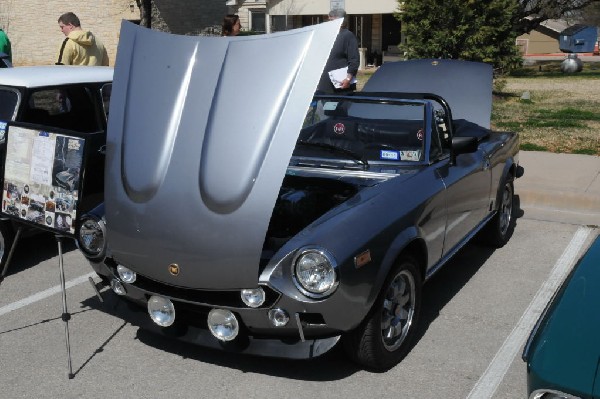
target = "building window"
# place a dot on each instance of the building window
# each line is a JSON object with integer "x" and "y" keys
{"x": 257, "y": 21}
{"x": 308, "y": 20}
{"x": 279, "y": 23}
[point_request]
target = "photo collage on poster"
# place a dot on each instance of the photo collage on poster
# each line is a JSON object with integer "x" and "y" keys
{"x": 41, "y": 177}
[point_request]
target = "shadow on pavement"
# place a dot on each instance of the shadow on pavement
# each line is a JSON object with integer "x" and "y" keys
{"x": 328, "y": 367}
{"x": 34, "y": 248}
{"x": 439, "y": 290}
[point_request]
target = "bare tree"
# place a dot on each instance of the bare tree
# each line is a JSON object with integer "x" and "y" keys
{"x": 591, "y": 15}
{"x": 145, "y": 7}
{"x": 533, "y": 12}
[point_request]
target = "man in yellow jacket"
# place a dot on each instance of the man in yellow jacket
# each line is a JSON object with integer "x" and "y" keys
{"x": 79, "y": 47}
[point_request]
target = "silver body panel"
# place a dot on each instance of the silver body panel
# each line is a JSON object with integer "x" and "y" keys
{"x": 199, "y": 138}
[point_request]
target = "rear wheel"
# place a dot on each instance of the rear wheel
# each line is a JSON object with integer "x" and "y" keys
{"x": 384, "y": 338}
{"x": 498, "y": 230}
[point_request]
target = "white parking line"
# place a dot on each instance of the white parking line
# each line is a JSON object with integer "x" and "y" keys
{"x": 493, "y": 376}
{"x": 43, "y": 294}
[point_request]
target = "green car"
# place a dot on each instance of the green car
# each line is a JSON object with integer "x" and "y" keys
{"x": 563, "y": 351}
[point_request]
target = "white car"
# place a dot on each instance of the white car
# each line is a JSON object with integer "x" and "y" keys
{"x": 71, "y": 98}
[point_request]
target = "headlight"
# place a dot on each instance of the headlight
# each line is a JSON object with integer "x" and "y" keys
{"x": 126, "y": 275}
{"x": 161, "y": 310}
{"x": 92, "y": 237}
{"x": 223, "y": 324}
{"x": 253, "y": 297}
{"x": 315, "y": 272}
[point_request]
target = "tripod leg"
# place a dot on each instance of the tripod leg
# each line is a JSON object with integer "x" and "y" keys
{"x": 10, "y": 253}
{"x": 65, "y": 315}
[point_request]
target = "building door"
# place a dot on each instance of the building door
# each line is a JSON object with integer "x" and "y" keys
{"x": 258, "y": 21}
{"x": 391, "y": 35}
{"x": 361, "y": 26}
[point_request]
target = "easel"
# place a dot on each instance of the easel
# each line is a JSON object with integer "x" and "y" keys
{"x": 65, "y": 316}
{"x": 61, "y": 140}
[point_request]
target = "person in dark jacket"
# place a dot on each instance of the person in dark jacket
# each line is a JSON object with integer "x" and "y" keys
{"x": 344, "y": 54}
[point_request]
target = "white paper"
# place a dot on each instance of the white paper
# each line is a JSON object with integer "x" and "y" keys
{"x": 338, "y": 75}
{"x": 42, "y": 158}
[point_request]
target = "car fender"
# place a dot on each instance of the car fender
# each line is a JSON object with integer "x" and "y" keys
{"x": 404, "y": 241}
{"x": 507, "y": 174}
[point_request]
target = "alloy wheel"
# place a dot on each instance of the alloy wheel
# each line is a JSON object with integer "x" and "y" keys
{"x": 398, "y": 310}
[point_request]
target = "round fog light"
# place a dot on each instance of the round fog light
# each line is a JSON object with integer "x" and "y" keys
{"x": 161, "y": 310}
{"x": 117, "y": 287}
{"x": 128, "y": 276}
{"x": 253, "y": 297}
{"x": 278, "y": 317}
{"x": 223, "y": 324}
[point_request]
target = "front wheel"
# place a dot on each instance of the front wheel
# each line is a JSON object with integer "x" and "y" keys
{"x": 499, "y": 228}
{"x": 384, "y": 338}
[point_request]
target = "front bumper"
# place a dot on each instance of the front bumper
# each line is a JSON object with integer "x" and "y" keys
{"x": 303, "y": 337}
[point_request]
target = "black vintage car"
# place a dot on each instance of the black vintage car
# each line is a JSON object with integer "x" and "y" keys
{"x": 70, "y": 98}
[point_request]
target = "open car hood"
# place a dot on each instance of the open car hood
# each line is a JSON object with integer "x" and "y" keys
{"x": 465, "y": 85}
{"x": 200, "y": 133}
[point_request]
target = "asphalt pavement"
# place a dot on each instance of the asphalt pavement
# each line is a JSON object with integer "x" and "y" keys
{"x": 560, "y": 187}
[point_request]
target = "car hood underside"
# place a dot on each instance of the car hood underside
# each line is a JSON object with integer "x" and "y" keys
{"x": 201, "y": 131}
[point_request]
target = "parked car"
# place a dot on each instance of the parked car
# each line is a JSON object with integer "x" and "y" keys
{"x": 65, "y": 97}
{"x": 562, "y": 351}
{"x": 218, "y": 237}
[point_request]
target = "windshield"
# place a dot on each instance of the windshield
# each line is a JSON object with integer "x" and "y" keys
{"x": 8, "y": 104}
{"x": 374, "y": 131}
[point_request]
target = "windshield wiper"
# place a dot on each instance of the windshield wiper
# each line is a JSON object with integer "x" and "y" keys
{"x": 353, "y": 155}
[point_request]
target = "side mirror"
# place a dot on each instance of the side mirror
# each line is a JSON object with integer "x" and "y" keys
{"x": 464, "y": 145}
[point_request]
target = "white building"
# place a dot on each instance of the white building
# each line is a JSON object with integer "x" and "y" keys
{"x": 372, "y": 21}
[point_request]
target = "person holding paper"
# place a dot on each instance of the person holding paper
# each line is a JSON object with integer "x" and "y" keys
{"x": 339, "y": 75}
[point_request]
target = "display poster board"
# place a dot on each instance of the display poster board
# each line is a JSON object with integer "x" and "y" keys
{"x": 42, "y": 177}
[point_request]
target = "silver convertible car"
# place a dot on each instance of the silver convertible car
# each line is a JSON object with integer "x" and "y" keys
{"x": 248, "y": 215}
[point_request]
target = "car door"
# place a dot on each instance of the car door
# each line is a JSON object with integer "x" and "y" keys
{"x": 468, "y": 184}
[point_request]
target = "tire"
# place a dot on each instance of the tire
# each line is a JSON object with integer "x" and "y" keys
{"x": 500, "y": 227}
{"x": 7, "y": 237}
{"x": 378, "y": 343}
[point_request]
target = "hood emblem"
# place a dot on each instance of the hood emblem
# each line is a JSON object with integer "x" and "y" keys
{"x": 174, "y": 269}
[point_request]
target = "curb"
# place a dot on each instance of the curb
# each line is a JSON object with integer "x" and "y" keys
{"x": 562, "y": 206}
{"x": 588, "y": 203}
